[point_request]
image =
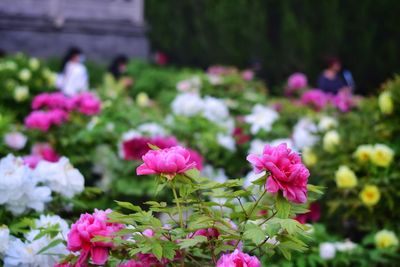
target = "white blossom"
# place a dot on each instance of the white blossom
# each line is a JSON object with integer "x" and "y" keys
{"x": 261, "y": 118}
{"x": 257, "y": 146}
{"x": 304, "y": 134}
{"x": 251, "y": 177}
{"x": 151, "y": 129}
{"x": 4, "y": 238}
{"x": 187, "y": 104}
{"x": 192, "y": 84}
{"x": 15, "y": 140}
{"x": 327, "y": 250}
{"x": 326, "y": 123}
{"x": 226, "y": 141}
{"x": 215, "y": 109}
{"x": 217, "y": 175}
{"x": 60, "y": 176}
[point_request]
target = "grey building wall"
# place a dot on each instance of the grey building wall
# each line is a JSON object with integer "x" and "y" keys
{"x": 46, "y": 28}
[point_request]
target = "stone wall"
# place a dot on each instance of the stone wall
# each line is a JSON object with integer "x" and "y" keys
{"x": 46, "y": 28}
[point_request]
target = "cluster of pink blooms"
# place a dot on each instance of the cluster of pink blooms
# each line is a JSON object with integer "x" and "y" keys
{"x": 167, "y": 162}
{"x": 41, "y": 151}
{"x": 286, "y": 172}
{"x": 84, "y": 230}
{"x": 317, "y": 99}
{"x": 295, "y": 82}
{"x": 239, "y": 259}
{"x": 57, "y": 108}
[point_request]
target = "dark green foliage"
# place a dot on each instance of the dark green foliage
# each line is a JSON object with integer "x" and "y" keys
{"x": 286, "y": 35}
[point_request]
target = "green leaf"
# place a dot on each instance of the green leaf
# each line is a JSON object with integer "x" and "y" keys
{"x": 191, "y": 242}
{"x": 128, "y": 206}
{"x": 260, "y": 181}
{"x": 282, "y": 206}
{"x": 193, "y": 173}
{"x": 286, "y": 253}
{"x": 53, "y": 243}
{"x": 157, "y": 250}
{"x": 254, "y": 233}
{"x": 153, "y": 147}
{"x": 315, "y": 189}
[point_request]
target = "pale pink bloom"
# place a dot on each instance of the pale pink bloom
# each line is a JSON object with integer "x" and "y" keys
{"x": 87, "y": 103}
{"x": 45, "y": 151}
{"x": 167, "y": 162}
{"x": 32, "y": 160}
{"x": 238, "y": 259}
{"x": 15, "y": 140}
{"x": 343, "y": 101}
{"x": 297, "y": 81}
{"x": 247, "y": 75}
{"x": 287, "y": 173}
{"x": 315, "y": 98}
{"x": 148, "y": 232}
{"x": 85, "y": 229}
{"x": 52, "y": 101}
{"x": 132, "y": 263}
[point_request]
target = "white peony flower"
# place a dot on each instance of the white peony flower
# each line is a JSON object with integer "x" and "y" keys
{"x": 257, "y": 146}
{"x": 217, "y": 175}
{"x": 4, "y": 238}
{"x": 49, "y": 220}
{"x": 327, "y": 250}
{"x": 26, "y": 253}
{"x": 261, "y": 118}
{"x": 187, "y": 104}
{"x": 15, "y": 140}
{"x": 226, "y": 141}
{"x": 347, "y": 245}
{"x": 215, "y": 109}
{"x": 60, "y": 176}
{"x": 151, "y": 129}
{"x": 326, "y": 123}
{"x": 304, "y": 134}
{"x": 34, "y": 63}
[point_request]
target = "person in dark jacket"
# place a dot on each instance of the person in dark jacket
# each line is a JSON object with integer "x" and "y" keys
{"x": 332, "y": 80}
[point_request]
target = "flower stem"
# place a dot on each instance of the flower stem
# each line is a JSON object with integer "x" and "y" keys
{"x": 177, "y": 205}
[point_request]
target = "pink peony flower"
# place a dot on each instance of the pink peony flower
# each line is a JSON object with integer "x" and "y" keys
{"x": 238, "y": 259}
{"x": 45, "y": 151}
{"x": 167, "y": 162}
{"x": 296, "y": 81}
{"x": 247, "y": 75}
{"x": 137, "y": 147}
{"x": 312, "y": 216}
{"x": 316, "y": 98}
{"x": 87, "y": 103}
{"x": 65, "y": 264}
{"x": 287, "y": 172}
{"x": 43, "y": 120}
{"x": 85, "y": 229}
{"x": 240, "y": 137}
{"x": 196, "y": 158}
{"x": 52, "y": 101}
{"x": 343, "y": 101}
{"x": 32, "y": 160}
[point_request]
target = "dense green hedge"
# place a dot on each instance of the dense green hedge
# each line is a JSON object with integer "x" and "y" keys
{"x": 286, "y": 35}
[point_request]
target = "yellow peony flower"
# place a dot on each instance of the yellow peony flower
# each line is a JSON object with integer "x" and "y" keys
{"x": 385, "y": 103}
{"x": 370, "y": 195}
{"x": 345, "y": 177}
{"x": 24, "y": 75}
{"x": 34, "y": 63}
{"x": 331, "y": 141}
{"x": 363, "y": 153}
{"x": 309, "y": 157}
{"x": 142, "y": 100}
{"x": 385, "y": 239}
{"x": 382, "y": 155}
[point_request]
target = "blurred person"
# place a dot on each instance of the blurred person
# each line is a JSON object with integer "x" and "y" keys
{"x": 73, "y": 76}
{"x": 332, "y": 79}
{"x": 116, "y": 80}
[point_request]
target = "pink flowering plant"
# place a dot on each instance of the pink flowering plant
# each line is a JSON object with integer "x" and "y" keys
{"x": 208, "y": 223}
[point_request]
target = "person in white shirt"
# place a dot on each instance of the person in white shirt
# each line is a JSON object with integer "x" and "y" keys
{"x": 73, "y": 78}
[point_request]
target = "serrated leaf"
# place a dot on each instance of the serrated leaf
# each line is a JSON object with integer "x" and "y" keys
{"x": 53, "y": 243}
{"x": 260, "y": 181}
{"x": 254, "y": 233}
{"x": 157, "y": 250}
{"x": 315, "y": 189}
{"x": 128, "y": 205}
{"x": 191, "y": 242}
{"x": 286, "y": 253}
{"x": 282, "y": 206}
